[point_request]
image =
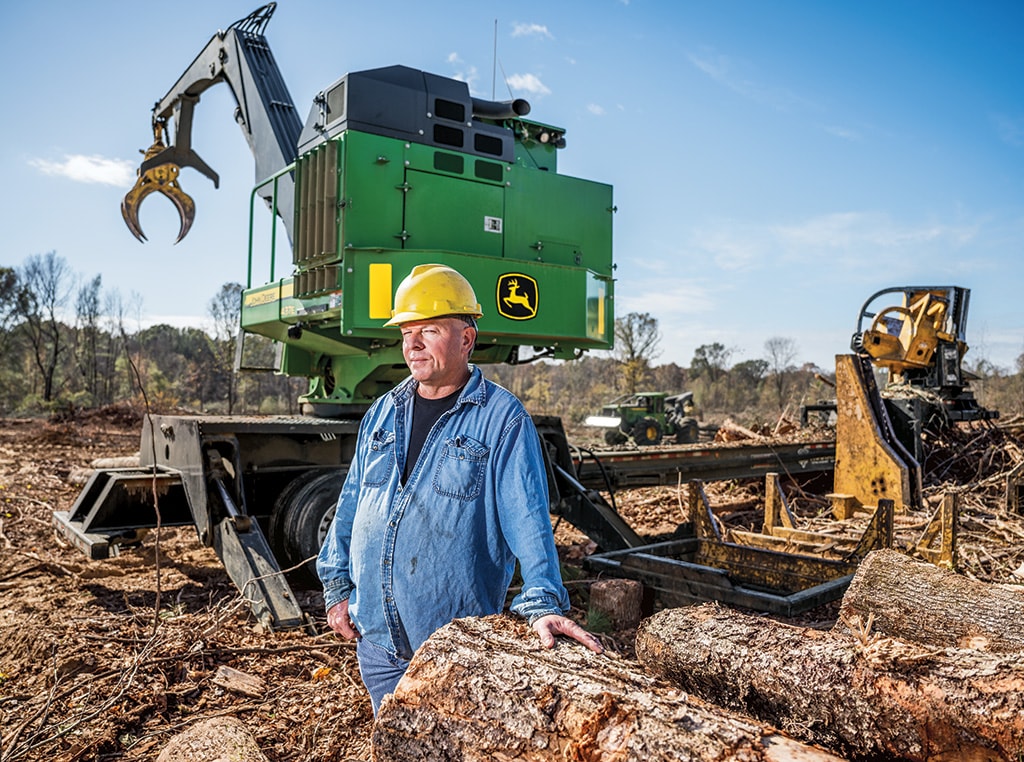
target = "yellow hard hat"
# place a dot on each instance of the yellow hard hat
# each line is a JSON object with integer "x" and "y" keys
{"x": 431, "y": 291}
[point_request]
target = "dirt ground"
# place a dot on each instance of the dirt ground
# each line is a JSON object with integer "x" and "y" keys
{"x": 107, "y": 660}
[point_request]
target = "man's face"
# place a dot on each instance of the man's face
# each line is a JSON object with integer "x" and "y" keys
{"x": 437, "y": 351}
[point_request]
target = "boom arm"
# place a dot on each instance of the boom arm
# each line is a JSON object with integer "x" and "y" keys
{"x": 242, "y": 58}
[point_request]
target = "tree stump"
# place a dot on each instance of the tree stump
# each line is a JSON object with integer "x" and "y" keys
{"x": 218, "y": 739}
{"x": 486, "y": 689}
{"x": 880, "y": 698}
{"x": 917, "y": 601}
{"x": 618, "y": 601}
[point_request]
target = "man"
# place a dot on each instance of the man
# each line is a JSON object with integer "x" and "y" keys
{"x": 446, "y": 490}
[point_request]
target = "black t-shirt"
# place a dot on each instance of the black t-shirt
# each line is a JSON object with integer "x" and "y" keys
{"x": 424, "y": 415}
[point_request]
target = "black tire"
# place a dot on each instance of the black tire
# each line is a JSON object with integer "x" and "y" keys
{"x": 301, "y": 518}
{"x": 275, "y": 530}
{"x": 647, "y": 431}
{"x": 688, "y": 431}
{"x": 614, "y": 437}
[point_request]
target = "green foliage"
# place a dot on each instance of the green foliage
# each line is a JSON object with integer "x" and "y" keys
{"x": 598, "y": 621}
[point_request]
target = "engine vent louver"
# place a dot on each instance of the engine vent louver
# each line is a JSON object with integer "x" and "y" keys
{"x": 316, "y": 251}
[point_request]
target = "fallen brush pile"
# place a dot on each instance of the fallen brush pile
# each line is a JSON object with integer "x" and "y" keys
{"x": 984, "y": 465}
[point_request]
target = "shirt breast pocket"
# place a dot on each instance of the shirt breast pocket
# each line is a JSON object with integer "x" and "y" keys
{"x": 461, "y": 469}
{"x": 380, "y": 460}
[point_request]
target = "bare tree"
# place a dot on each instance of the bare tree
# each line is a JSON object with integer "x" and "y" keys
{"x": 226, "y": 311}
{"x": 636, "y": 345}
{"x": 87, "y": 318}
{"x": 47, "y": 287}
{"x": 780, "y": 354}
{"x": 115, "y": 337}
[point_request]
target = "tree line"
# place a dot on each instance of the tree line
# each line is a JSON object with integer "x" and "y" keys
{"x": 68, "y": 344}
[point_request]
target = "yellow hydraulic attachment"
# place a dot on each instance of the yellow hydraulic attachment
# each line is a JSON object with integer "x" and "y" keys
{"x": 161, "y": 178}
{"x": 906, "y": 336}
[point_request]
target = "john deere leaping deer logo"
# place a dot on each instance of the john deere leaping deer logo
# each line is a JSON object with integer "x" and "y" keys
{"x": 517, "y": 296}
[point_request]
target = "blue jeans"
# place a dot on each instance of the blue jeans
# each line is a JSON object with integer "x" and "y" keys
{"x": 380, "y": 671}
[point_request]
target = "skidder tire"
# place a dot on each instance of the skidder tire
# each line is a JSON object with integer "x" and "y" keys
{"x": 614, "y": 437}
{"x": 689, "y": 431}
{"x": 647, "y": 431}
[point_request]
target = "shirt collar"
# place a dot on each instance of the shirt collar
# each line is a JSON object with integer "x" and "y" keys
{"x": 474, "y": 392}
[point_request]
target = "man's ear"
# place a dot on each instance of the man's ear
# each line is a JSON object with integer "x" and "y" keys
{"x": 469, "y": 335}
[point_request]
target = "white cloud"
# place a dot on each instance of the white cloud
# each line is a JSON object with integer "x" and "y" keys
{"x": 718, "y": 69}
{"x": 725, "y": 71}
{"x": 846, "y": 239}
{"x": 666, "y": 299}
{"x": 866, "y": 232}
{"x": 463, "y": 73}
{"x": 527, "y": 83}
{"x": 531, "y": 30}
{"x": 730, "y": 247}
{"x": 595, "y": 109}
{"x": 843, "y": 132}
{"x": 89, "y": 169}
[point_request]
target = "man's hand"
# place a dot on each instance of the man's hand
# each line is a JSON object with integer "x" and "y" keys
{"x": 548, "y": 626}
{"x": 338, "y": 620}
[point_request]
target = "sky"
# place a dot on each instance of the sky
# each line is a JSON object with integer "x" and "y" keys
{"x": 773, "y": 164}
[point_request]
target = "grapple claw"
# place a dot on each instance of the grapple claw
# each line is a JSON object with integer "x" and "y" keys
{"x": 162, "y": 178}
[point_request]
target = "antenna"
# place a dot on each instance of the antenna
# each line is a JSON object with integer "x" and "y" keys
{"x": 494, "y": 61}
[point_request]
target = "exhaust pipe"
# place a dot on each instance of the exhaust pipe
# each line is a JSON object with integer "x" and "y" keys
{"x": 500, "y": 109}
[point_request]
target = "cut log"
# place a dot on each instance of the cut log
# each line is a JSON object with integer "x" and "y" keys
{"x": 880, "y": 699}
{"x": 486, "y": 689}
{"x": 920, "y": 602}
{"x": 618, "y": 601}
{"x": 219, "y": 739}
{"x": 730, "y": 431}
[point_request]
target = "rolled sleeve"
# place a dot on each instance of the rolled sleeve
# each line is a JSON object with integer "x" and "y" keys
{"x": 534, "y": 603}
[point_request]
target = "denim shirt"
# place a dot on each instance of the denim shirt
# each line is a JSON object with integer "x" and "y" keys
{"x": 410, "y": 558}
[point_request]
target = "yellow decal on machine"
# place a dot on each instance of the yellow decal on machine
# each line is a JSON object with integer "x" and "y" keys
{"x": 380, "y": 291}
{"x": 263, "y": 296}
{"x": 518, "y": 296}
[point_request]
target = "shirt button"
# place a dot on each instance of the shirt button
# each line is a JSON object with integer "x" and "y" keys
{"x": 392, "y": 524}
